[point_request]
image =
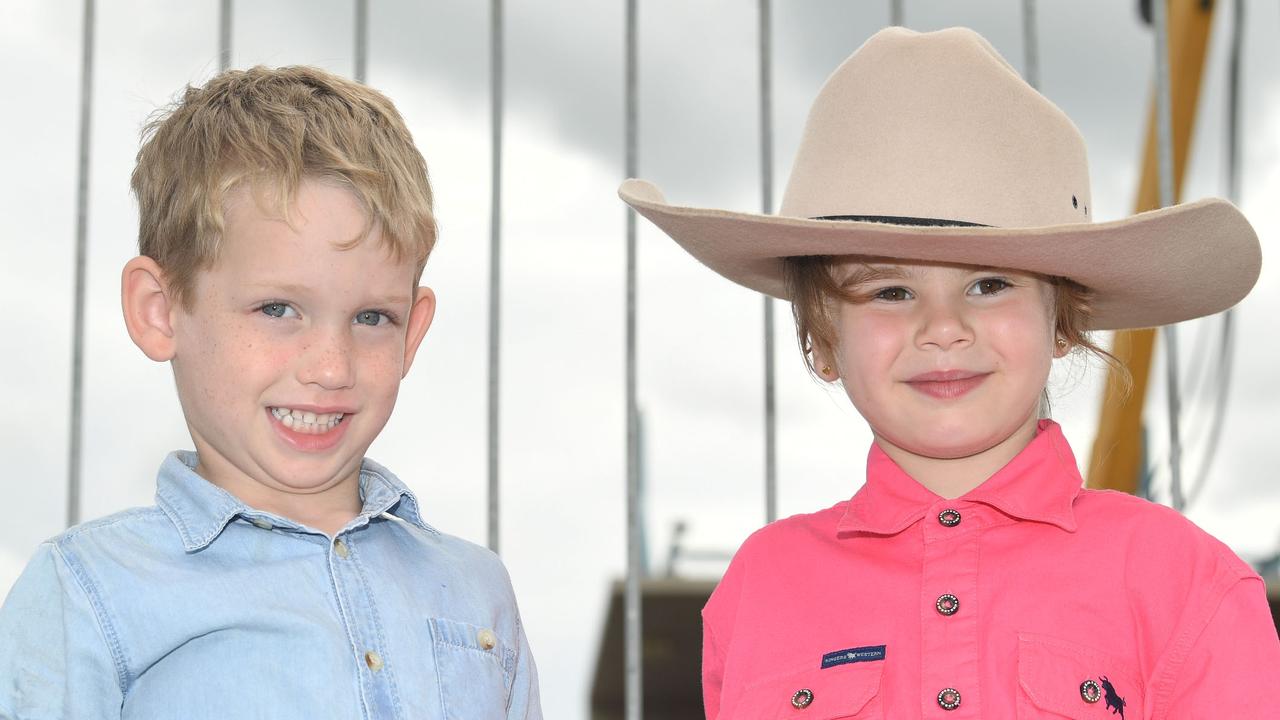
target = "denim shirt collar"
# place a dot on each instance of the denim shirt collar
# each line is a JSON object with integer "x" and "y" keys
{"x": 199, "y": 510}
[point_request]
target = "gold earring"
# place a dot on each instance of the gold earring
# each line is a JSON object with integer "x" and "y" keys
{"x": 826, "y": 369}
{"x": 1062, "y": 343}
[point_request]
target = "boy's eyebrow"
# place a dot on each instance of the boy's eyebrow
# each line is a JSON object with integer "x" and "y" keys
{"x": 295, "y": 289}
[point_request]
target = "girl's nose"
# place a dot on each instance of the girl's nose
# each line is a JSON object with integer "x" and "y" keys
{"x": 943, "y": 326}
{"x": 326, "y": 360}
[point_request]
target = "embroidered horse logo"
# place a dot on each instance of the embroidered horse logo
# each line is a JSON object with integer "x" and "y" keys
{"x": 1115, "y": 703}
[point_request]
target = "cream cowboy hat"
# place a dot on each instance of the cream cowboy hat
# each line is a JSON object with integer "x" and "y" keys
{"x": 929, "y": 146}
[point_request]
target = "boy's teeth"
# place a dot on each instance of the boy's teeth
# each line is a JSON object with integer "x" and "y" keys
{"x": 306, "y": 421}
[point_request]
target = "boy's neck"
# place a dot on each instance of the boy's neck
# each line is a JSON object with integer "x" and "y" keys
{"x": 328, "y": 510}
{"x": 951, "y": 478}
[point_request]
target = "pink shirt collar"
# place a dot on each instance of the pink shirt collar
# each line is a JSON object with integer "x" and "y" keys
{"x": 1040, "y": 484}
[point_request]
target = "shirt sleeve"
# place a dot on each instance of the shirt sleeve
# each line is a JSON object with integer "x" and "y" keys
{"x": 55, "y": 661}
{"x": 525, "y": 703}
{"x": 1233, "y": 667}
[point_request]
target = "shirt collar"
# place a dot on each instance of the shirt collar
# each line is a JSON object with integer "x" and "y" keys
{"x": 199, "y": 510}
{"x": 1040, "y": 484}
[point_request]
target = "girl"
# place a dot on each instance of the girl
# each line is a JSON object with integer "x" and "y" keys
{"x": 936, "y": 243}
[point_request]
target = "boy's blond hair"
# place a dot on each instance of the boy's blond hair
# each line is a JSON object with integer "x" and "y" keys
{"x": 271, "y": 128}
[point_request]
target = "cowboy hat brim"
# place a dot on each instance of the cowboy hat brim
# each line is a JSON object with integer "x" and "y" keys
{"x": 1150, "y": 269}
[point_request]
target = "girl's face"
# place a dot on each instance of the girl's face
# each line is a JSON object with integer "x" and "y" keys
{"x": 943, "y": 361}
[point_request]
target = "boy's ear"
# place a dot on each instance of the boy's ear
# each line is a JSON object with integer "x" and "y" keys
{"x": 145, "y": 299}
{"x": 420, "y": 316}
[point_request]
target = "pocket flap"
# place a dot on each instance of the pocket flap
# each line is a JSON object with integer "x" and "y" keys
{"x": 1062, "y": 677}
{"x": 837, "y": 692}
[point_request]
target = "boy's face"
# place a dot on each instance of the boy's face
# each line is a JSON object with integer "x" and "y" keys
{"x": 944, "y": 361}
{"x": 289, "y": 360}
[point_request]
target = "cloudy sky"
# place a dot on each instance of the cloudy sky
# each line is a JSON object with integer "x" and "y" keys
{"x": 700, "y": 359}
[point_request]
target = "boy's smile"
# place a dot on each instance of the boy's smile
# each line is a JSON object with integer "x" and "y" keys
{"x": 945, "y": 362}
{"x": 289, "y": 360}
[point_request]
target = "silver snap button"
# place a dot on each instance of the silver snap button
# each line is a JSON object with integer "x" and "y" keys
{"x": 947, "y": 604}
{"x": 949, "y": 699}
{"x": 802, "y": 698}
{"x": 1090, "y": 692}
{"x": 949, "y": 517}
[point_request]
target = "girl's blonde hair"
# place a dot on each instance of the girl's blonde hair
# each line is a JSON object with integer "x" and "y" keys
{"x": 270, "y": 129}
{"x": 813, "y": 289}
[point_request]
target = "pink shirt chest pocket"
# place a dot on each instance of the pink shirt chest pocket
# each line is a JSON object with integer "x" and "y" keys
{"x": 1060, "y": 679}
{"x": 845, "y": 691}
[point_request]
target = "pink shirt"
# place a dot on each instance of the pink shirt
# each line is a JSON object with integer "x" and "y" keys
{"x": 1028, "y": 597}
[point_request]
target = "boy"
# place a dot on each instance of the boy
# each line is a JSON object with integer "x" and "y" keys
{"x": 285, "y": 218}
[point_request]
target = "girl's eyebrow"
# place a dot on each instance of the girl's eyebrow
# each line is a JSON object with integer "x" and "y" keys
{"x": 872, "y": 273}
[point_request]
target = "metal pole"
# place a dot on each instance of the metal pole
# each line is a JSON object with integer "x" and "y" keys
{"x": 1030, "y": 43}
{"x": 766, "y": 205}
{"x": 634, "y": 637}
{"x": 362, "y": 40}
{"x": 495, "y": 262}
{"x": 224, "y": 35}
{"x": 895, "y": 12}
{"x": 82, "y": 231}
{"x": 1164, "y": 144}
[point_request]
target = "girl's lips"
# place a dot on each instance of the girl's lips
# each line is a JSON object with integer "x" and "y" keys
{"x": 309, "y": 442}
{"x": 947, "y": 384}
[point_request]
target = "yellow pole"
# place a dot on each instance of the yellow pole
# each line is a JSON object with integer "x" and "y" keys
{"x": 1116, "y": 458}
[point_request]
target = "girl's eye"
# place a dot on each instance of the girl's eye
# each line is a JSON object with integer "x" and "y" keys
{"x": 276, "y": 310}
{"x": 893, "y": 294}
{"x": 371, "y": 317}
{"x": 989, "y": 286}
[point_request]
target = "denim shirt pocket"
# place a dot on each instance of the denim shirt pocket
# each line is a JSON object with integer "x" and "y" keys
{"x": 1061, "y": 679}
{"x": 474, "y": 669}
{"x": 849, "y": 692}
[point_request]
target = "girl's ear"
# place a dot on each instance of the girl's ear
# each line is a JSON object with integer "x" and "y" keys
{"x": 147, "y": 306}
{"x": 824, "y": 365}
{"x": 1060, "y": 347}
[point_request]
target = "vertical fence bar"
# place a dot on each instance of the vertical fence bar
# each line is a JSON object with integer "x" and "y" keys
{"x": 766, "y": 206}
{"x": 1164, "y": 155}
{"x": 224, "y": 35}
{"x": 633, "y": 669}
{"x": 495, "y": 264}
{"x": 82, "y": 233}
{"x": 895, "y": 12}
{"x": 1031, "y": 43}
{"x": 362, "y": 40}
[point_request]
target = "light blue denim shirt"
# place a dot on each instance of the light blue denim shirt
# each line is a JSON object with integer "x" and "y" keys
{"x": 202, "y": 607}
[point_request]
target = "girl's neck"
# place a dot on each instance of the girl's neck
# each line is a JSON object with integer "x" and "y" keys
{"x": 952, "y": 477}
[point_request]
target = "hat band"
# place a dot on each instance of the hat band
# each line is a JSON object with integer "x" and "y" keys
{"x": 895, "y": 220}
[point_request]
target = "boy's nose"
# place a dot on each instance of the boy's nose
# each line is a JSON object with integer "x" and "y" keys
{"x": 326, "y": 360}
{"x": 943, "y": 326}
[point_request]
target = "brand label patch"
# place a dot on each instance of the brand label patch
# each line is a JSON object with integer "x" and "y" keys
{"x": 852, "y": 655}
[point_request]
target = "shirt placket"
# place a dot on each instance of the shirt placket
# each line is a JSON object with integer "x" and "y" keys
{"x": 360, "y": 616}
{"x": 949, "y": 612}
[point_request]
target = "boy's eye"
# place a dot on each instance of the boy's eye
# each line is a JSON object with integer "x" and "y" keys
{"x": 989, "y": 286}
{"x": 371, "y": 317}
{"x": 893, "y": 294}
{"x": 276, "y": 309}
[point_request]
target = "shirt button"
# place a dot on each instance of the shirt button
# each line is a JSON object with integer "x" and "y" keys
{"x": 487, "y": 639}
{"x": 949, "y": 517}
{"x": 949, "y": 699}
{"x": 341, "y": 548}
{"x": 1090, "y": 692}
{"x": 261, "y": 523}
{"x": 373, "y": 660}
{"x": 947, "y": 604}
{"x": 802, "y": 698}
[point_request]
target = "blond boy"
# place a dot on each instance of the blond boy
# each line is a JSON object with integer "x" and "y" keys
{"x": 285, "y": 220}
